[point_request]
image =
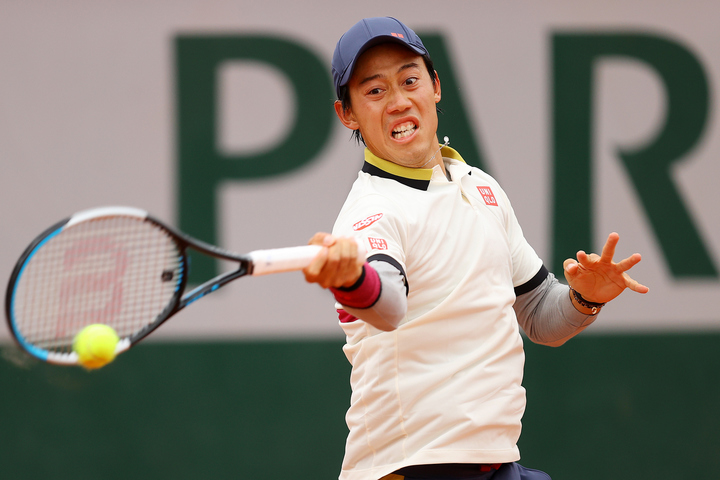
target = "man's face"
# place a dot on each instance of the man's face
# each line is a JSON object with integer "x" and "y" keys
{"x": 392, "y": 103}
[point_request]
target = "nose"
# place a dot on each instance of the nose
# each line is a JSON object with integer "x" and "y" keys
{"x": 398, "y": 100}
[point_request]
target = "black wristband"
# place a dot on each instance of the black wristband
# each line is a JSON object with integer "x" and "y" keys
{"x": 595, "y": 307}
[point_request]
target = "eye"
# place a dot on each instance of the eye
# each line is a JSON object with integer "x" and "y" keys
{"x": 374, "y": 91}
{"x": 411, "y": 81}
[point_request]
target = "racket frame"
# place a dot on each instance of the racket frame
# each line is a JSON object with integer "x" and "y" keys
{"x": 178, "y": 301}
{"x": 257, "y": 262}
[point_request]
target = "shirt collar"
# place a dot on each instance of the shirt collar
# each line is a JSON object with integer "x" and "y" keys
{"x": 418, "y": 178}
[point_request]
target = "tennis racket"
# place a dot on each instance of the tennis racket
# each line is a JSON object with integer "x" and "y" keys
{"x": 120, "y": 267}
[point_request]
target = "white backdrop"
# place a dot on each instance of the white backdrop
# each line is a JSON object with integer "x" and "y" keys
{"x": 87, "y": 118}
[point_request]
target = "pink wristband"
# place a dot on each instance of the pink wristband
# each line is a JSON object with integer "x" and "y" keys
{"x": 364, "y": 293}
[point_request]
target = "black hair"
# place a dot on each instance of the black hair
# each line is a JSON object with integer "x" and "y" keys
{"x": 345, "y": 97}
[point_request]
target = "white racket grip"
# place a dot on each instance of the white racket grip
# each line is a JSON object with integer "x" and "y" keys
{"x": 278, "y": 260}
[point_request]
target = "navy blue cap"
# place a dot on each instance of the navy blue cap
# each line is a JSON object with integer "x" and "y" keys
{"x": 365, "y": 34}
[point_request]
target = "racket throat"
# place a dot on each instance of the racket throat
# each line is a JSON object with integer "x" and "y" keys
{"x": 211, "y": 285}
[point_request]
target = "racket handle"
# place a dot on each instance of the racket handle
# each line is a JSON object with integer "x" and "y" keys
{"x": 278, "y": 260}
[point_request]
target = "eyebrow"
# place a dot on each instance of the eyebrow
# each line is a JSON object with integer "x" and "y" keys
{"x": 379, "y": 75}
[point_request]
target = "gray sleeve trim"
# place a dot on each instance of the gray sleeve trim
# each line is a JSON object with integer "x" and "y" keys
{"x": 547, "y": 315}
{"x": 391, "y": 307}
{"x": 388, "y": 259}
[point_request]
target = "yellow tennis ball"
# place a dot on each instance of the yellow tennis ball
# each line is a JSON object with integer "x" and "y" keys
{"x": 95, "y": 345}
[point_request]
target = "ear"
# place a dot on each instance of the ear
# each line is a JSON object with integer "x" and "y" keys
{"x": 437, "y": 89}
{"x": 346, "y": 116}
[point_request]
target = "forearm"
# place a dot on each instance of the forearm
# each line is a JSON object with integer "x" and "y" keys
{"x": 548, "y": 315}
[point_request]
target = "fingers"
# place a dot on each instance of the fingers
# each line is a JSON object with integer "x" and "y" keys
{"x": 312, "y": 271}
{"x": 338, "y": 265}
{"x": 629, "y": 262}
{"x": 322, "y": 238}
{"x": 634, "y": 285}
{"x": 608, "y": 251}
{"x": 342, "y": 267}
{"x": 587, "y": 260}
{"x": 570, "y": 266}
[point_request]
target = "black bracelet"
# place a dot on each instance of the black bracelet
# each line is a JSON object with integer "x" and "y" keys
{"x": 595, "y": 307}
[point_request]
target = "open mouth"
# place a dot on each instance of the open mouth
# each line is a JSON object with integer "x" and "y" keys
{"x": 404, "y": 130}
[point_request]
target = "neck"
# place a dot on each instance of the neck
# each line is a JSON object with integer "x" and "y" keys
{"x": 434, "y": 156}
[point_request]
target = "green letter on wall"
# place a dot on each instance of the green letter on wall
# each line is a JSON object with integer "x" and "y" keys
{"x": 649, "y": 167}
{"x": 201, "y": 167}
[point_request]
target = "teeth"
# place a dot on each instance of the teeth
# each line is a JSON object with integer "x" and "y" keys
{"x": 404, "y": 130}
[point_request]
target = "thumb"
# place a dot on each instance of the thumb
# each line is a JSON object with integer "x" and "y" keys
{"x": 570, "y": 268}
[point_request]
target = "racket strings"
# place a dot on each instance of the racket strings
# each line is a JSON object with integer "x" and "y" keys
{"x": 119, "y": 271}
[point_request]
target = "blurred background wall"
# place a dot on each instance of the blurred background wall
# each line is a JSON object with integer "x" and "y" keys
{"x": 217, "y": 117}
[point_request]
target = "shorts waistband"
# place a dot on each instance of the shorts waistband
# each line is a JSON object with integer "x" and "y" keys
{"x": 458, "y": 470}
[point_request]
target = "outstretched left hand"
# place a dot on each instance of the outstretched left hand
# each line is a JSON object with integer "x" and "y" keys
{"x": 597, "y": 278}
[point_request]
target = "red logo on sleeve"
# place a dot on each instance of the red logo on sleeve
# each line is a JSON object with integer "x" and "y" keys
{"x": 487, "y": 195}
{"x": 377, "y": 243}
{"x": 367, "y": 222}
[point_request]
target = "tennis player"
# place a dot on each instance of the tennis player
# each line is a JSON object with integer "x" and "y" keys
{"x": 433, "y": 316}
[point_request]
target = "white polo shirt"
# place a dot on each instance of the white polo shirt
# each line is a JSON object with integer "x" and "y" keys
{"x": 445, "y": 386}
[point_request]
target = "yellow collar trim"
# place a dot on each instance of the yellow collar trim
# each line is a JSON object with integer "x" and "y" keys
{"x": 408, "y": 172}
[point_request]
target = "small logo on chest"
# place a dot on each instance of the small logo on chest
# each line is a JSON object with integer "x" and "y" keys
{"x": 377, "y": 243}
{"x": 367, "y": 221}
{"x": 488, "y": 196}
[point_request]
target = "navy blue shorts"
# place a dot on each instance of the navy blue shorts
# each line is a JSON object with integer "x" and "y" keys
{"x": 506, "y": 471}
